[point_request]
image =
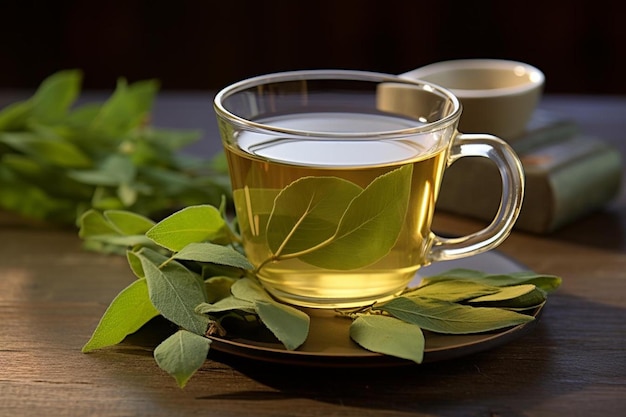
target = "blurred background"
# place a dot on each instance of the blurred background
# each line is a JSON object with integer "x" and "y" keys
{"x": 207, "y": 44}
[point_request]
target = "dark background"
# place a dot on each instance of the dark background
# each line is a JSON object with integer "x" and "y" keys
{"x": 205, "y": 45}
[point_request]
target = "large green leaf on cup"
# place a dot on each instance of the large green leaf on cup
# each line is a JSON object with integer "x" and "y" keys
{"x": 370, "y": 226}
{"x": 307, "y": 213}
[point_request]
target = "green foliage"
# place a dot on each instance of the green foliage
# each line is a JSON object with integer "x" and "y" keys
{"x": 288, "y": 324}
{"x": 170, "y": 260}
{"x": 190, "y": 270}
{"x": 59, "y": 158}
{"x": 451, "y": 318}
{"x": 103, "y": 164}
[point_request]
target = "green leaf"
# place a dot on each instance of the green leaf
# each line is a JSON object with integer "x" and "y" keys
{"x": 226, "y": 304}
{"x": 134, "y": 262}
{"x": 451, "y": 318}
{"x": 93, "y": 223}
{"x": 514, "y": 297}
{"x": 127, "y": 222}
{"x": 123, "y": 242}
{"x": 172, "y": 140}
{"x": 174, "y": 291}
{"x": 190, "y": 225}
{"x": 46, "y": 177}
{"x": 128, "y": 312}
{"x": 506, "y": 293}
{"x": 55, "y": 95}
{"x": 83, "y": 116}
{"x": 289, "y": 325}
{"x": 127, "y": 107}
{"x": 182, "y": 354}
{"x": 389, "y": 336}
{"x": 218, "y": 254}
{"x": 453, "y": 290}
{"x": 370, "y": 226}
{"x": 248, "y": 290}
{"x": 14, "y": 116}
{"x": 113, "y": 170}
{"x": 104, "y": 199}
{"x": 96, "y": 227}
{"x": 216, "y": 270}
{"x": 51, "y": 150}
{"x": 307, "y": 212}
{"x": 33, "y": 202}
{"x": 127, "y": 194}
{"x": 218, "y": 287}
{"x": 545, "y": 282}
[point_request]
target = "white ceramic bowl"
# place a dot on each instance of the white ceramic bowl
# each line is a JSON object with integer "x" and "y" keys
{"x": 498, "y": 96}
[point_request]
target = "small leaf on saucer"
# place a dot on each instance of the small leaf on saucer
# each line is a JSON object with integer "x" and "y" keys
{"x": 289, "y": 325}
{"x": 389, "y": 336}
{"x": 182, "y": 354}
{"x": 451, "y": 318}
{"x": 249, "y": 290}
{"x": 452, "y": 290}
{"x": 545, "y": 282}
{"x": 226, "y": 304}
{"x": 516, "y": 296}
{"x": 218, "y": 287}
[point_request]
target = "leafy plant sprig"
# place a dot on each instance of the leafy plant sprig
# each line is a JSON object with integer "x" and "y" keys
{"x": 58, "y": 157}
{"x": 190, "y": 270}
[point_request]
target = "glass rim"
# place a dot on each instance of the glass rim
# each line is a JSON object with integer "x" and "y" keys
{"x": 348, "y": 75}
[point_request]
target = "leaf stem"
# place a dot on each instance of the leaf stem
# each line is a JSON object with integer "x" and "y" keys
{"x": 277, "y": 257}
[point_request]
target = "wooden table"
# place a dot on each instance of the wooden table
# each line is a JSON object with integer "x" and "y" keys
{"x": 573, "y": 363}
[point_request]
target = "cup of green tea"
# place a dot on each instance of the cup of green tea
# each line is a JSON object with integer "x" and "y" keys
{"x": 335, "y": 175}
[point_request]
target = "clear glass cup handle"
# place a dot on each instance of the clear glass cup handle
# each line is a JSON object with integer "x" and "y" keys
{"x": 512, "y": 175}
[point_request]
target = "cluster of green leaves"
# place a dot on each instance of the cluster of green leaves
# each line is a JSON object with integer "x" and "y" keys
{"x": 190, "y": 269}
{"x": 458, "y": 301}
{"x": 58, "y": 158}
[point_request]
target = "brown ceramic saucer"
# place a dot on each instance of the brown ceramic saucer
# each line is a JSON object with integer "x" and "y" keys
{"x": 329, "y": 343}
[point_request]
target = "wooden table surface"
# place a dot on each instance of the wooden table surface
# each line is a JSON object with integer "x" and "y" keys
{"x": 573, "y": 363}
